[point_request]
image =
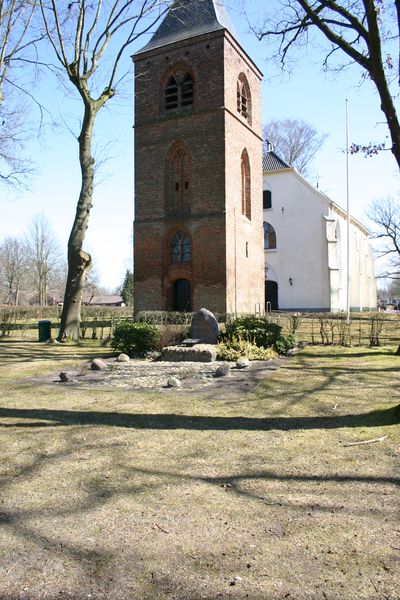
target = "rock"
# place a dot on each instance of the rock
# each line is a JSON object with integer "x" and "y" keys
{"x": 123, "y": 358}
{"x": 98, "y": 365}
{"x": 198, "y": 353}
{"x": 242, "y": 362}
{"x": 174, "y": 382}
{"x": 204, "y": 327}
{"x": 222, "y": 371}
{"x": 64, "y": 377}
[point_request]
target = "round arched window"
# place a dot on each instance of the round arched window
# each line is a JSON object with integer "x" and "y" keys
{"x": 269, "y": 237}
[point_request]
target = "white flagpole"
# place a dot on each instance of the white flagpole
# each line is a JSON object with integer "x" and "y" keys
{"x": 348, "y": 216}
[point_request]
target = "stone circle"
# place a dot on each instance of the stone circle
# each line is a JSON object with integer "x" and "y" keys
{"x": 242, "y": 362}
{"x": 222, "y": 371}
{"x": 98, "y": 365}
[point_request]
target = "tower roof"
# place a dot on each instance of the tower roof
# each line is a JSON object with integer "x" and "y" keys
{"x": 190, "y": 18}
{"x": 272, "y": 162}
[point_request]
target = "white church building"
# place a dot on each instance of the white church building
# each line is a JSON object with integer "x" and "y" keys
{"x": 305, "y": 247}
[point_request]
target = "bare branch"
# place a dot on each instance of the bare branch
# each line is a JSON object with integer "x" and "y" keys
{"x": 360, "y": 30}
{"x": 295, "y": 141}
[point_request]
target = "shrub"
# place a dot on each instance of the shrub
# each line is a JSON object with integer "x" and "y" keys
{"x": 256, "y": 330}
{"x": 234, "y": 349}
{"x": 135, "y": 339}
{"x": 171, "y": 335}
{"x": 284, "y": 343}
{"x": 259, "y": 333}
{"x": 160, "y": 317}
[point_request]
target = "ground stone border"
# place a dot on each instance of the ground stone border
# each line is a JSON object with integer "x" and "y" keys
{"x": 146, "y": 375}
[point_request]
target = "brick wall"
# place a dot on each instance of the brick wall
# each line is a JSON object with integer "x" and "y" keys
{"x": 222, "y": 277}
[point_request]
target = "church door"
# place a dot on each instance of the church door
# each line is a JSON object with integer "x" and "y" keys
{"x": 271, "y": 294}
{"x": 182, "y": 296}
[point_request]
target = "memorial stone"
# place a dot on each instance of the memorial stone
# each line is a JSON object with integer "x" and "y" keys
{"x": 204, "y": 327}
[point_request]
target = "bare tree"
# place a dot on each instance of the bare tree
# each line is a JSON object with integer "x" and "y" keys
{"x": 15, "y": 19}
{"x": 361, "y": 32}
{"x": 13, "y": 267}
{"x": 15, "y": 22}
{"x": 385, "y": 216}
{"x": 294, "y": 140}
{"x": 92, "y": 284}
{"x": 89, "y": 40}
{"x": 15, "y": 167}
{"x": 45, "y": 257}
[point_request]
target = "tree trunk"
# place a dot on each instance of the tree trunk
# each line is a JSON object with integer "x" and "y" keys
{"x": 79, "y": 261}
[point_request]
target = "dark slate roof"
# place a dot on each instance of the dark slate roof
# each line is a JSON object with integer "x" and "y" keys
{"x": 272, "y": 162}
{"x": 189, "y": 18}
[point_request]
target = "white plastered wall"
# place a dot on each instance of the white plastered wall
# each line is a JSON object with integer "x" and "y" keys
{"x": 311, "y": 234}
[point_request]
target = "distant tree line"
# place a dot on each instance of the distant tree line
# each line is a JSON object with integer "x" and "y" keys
{"x": 32, "y": 263}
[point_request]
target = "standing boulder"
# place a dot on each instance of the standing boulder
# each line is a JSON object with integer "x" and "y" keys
{"x": 204, "y": 327}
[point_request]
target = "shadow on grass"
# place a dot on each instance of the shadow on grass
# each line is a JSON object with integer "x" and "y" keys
{"x": 368, "y": 352}
{"x": 13, "y": 351}
{"x": 377, "y": 418}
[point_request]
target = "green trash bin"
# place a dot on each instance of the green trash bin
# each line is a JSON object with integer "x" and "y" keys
{"x": 44, "y": 330}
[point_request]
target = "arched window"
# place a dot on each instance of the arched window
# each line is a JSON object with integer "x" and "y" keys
{"x": 181, "y": 248}
{"x": 178, "y": 92}
{"x": 171, "y": 94}
{"x": 186, "y": 90}
{"x": 246, "y": 189}
{"x": 243, "y": 97}
{"x": 178, "y": 188}
{"x": 269, "y": 237}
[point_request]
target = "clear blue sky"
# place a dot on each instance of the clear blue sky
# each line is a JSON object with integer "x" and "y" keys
{"x": 308, "y": 94}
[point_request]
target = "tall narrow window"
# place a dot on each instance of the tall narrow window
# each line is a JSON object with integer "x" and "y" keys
{"x": 186, "y": 90}
{"x": 246, "y": 190}
{"x": 171, "y": 94}
{"x": 269, "y": 237}
{"x": 243, "y": 97}
{"x": 181, "y": 248}
{"x": 267, "y": 199}
{"x": 179, "y": 185}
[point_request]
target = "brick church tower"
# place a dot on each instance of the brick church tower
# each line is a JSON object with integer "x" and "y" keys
{"x": 198, "y": 232}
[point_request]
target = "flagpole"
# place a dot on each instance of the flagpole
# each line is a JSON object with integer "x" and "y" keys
{"x": 348, "y": 217}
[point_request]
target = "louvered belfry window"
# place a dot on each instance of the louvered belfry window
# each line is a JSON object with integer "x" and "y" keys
{"x": 178, "y": 91}
{"x": 243, "y": 98}
{"x": 171, "y": 94}
{"x": 186, "y": 90}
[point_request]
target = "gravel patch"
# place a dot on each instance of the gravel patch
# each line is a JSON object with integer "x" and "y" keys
{"x": 154, "y": 375}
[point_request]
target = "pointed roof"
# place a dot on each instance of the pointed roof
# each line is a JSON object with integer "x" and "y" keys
{"x": 190, "y": 18}
{"x": 272, "y": 162}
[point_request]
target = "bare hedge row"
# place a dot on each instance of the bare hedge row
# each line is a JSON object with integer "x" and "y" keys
{"x": 365, "y": 329}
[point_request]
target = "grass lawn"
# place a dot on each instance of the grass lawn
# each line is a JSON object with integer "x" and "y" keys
{"x": 122, "y": 494}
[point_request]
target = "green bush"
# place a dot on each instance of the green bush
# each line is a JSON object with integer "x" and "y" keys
{"x": 234, "y": 349}
{"x": 285, "y": 343}
{"x": 256, "y": 330}
{"x": 259, "y": 332}
{"x": 135, "y": 339}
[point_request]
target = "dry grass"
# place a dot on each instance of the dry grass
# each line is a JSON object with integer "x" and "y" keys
{"x": 120, "y": 494}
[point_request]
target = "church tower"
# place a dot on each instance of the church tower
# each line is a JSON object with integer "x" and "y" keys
{"x": 198, "y": 232}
